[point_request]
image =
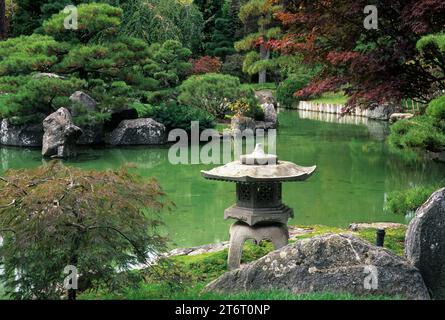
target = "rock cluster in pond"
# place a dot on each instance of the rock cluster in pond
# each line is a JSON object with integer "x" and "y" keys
{"x": 144, "y": 131}
{"x": 59, "y": 139}
{"x": 269, "y": 105}
{"x": 26, "y": 135}
{"x": 329, "y": 263}
{"x": 425, "y": 243}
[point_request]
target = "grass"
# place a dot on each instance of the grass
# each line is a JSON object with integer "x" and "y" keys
{"x": 160, "y": 292}
{"x": 332, "y": 98}
{"x": 199, "y": 270}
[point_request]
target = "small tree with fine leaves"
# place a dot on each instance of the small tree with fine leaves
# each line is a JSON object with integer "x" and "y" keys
{"x": 101, "y": 222}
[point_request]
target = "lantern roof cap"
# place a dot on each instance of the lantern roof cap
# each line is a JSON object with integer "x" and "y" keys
{"x": 250, "y": 169}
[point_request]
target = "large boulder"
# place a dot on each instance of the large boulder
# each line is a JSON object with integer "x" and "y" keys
{"x": 144, "y": 131}
{"x": 329, "y": 263}
{"x": 425, "y": 243}
{"x": 59, "y": 140}
{"x": 80, "y": 98}
{"x": 27, "y": 135}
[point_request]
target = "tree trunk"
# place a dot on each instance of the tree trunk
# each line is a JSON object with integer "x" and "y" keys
{"x": 3, "y": 21}
{"x": 264, "y": 55}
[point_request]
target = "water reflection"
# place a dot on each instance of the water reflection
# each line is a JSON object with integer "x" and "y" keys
{"x": 355, "y": 173}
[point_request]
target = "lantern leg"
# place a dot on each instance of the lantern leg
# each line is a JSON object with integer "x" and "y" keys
{"x": 240, "y": 232}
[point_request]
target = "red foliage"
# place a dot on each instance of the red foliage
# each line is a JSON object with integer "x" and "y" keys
{"x": 373, "y": 63}
{"x": 205, "y": 64}
{"x": 318, "y": 87}
{"x": 341, "y": 58}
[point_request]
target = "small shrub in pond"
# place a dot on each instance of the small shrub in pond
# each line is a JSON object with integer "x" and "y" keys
{"x": 101, "y": 222}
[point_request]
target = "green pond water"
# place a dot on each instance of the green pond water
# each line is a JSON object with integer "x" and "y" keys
{"x": 355, "y": 173}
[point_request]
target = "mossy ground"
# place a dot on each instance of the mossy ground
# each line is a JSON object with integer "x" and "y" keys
{"x": 199, "y": 270}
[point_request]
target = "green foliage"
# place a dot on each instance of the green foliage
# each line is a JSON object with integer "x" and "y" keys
{"x": 37, "y": 97}
{"x": 94, "y": 20}
{"x": 30, "y": 14}
{"x": 332, "y": 98}
{"x": 162, "y": 20}
{"x": 258, "y": 61}
{"x": 168, "y": 63}
{"x": 101, "y": 222}
{"x": 211, "y": 92}
{"x": 27, "y": 54}
{"x": 437, "y": 40}
{"x": 247, "y": 108}
{"x": 176, "y": 116}
{"x": 436, "y": 108}
{"x": 407, "y": 201}
{"x": 116, "y": 70}
{"x": 419, "y": 133}
{"x": 286, "y": 90}
{"x": 233, "y": 65}
{"x": 222, "y": 39}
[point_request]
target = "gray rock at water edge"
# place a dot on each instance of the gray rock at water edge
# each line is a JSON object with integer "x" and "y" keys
{"x": 381, "y": 112}
{"x": 93, "y": 133}
{"x": 83, "y": 99}
{"x": 329, "y": 263}
{"x": 27, "y": 135}
{"x": 425, "y": 243}
{"x": 265, "y": 125}
{"x": 59, "y": 140}
{"x": 242, "y": 123}
{"x": 270, "y": 114}
{"x": 265, "y": 96}
{"x": 400, "y": 116}
{"x": 144, "y": 131}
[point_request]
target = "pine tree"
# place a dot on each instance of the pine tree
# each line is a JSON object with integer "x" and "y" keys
{"x": 222, "y": 39}
{"x": 257, "y": 16}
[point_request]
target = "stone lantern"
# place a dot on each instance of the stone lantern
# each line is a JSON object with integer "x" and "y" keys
{"x": 259, "y": 210}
